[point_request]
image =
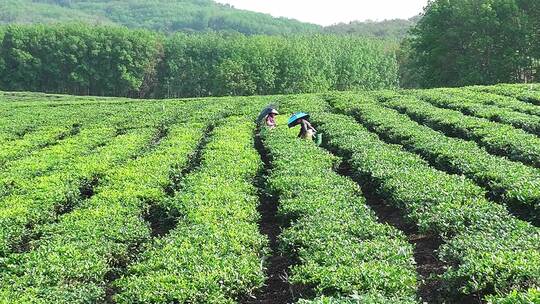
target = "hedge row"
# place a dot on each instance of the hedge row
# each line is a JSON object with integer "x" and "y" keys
{"x": 526, "y": 92}
{"x": 473, "y": 107}
{"x": 20, "y": 174}
{"x": 82, "y": 127}
{"x": 486, "y": 250}
{"x": 497, "y": 138}
{"x": 341, "y": 248}
{"x": 512, "y": 183}
{"x": 76, "y": 256}
{"x": 17, "y": 148}
{"x": 22, "y": 118}
{"x": 42, "y": 199}
{"x": 355, "y": 299}
{"x": 214, "y": 254}
{"x": 474, "y": 94}
{"x": 531, "y": 296}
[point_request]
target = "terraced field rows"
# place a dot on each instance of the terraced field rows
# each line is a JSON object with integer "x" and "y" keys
{"x": 214, "y": 253}
{"x": 470, "y": 105}
{"x": 415, "y": 196}
{"x": 461, "y": 216}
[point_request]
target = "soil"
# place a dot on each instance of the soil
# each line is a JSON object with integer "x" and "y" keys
{"x": 277, "y": 289}
{"x": 425, "y": 246}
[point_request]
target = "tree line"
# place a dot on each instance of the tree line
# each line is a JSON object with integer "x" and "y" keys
{"x": 116, "y": 61}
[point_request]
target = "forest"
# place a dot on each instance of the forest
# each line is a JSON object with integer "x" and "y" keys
{"x": 464, "y": 42}
{"x": 185, "y": 16}
{"x": 394, "y": 29}
{"x": 115, "y": 61}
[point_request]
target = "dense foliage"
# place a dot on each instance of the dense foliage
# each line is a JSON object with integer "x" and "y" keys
{"x": 160, "y": 15}
{"x": 461, "y": 42}
{"x": 27, "y": 11}
{"x": 79, "y": 59}
{"x": 185, "y": 16}
{"x": 453, "y": 43}
{"x": 105, "y": 60}
{"x": 238, "y": 65}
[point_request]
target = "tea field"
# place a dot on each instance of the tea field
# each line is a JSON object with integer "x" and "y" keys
{"x": 414, "y": 196}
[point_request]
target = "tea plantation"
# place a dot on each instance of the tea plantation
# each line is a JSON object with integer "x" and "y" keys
{"x": 414, "y": 196}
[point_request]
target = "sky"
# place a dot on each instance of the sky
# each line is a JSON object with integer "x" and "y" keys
{"x": 327, "y": 12}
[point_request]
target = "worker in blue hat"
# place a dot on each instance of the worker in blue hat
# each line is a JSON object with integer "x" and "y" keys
{"x": 307, "y": 131}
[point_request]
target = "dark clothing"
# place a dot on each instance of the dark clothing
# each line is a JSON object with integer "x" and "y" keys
{"x": 306, "y": 130}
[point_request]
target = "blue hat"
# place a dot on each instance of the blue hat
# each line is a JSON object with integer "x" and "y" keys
{"x": 293, "y": 121}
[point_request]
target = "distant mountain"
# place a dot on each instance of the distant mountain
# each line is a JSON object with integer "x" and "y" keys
{"x": 170, "y": 16}
{"x": 395, "y": 29}
{"x": 28, "y": 11}
{"x": 160, "y": 15}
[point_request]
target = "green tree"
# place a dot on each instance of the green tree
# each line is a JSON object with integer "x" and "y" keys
{"x": 79, "y": 59}
{"x": 20, "y": 66}
{"x": 462, "y": 42}
{"x": 2, "y": 64}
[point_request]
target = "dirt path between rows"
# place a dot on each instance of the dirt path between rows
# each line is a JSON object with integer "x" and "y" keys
{"x": 277, "y": 289}
{"x": 425, "y": 246}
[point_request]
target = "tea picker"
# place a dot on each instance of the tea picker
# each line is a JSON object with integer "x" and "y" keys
{"x": 307, "y": 131}
{"x": 268, "y": 114}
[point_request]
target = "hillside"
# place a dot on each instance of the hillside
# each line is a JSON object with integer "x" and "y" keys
{"x": 160, "y": 15}
{"x": 183, "y": 15}
{"x": 27, "y": 11}
{"x": 395, "y": 29}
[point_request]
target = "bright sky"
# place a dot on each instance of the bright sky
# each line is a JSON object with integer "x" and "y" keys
{"x": 327, "y": 12}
